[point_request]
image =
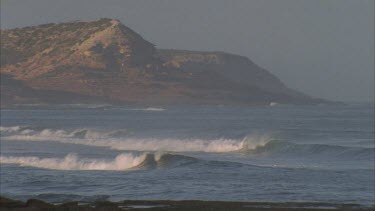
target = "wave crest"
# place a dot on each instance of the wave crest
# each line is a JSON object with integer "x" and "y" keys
{"x": 124, "y": 161}
{"x": 118, "y": 140}
{"x": 72, "y": 162}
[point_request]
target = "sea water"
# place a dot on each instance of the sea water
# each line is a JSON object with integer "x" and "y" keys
{"x": 271, "y": 153}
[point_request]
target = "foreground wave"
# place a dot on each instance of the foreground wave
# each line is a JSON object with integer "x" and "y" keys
{"x": 124, "y": 161}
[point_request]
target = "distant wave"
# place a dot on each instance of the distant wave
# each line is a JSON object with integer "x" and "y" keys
{"x": 139, "y": 109}
{"x": 283, "y": 148}
{"x": 117, "y": 140}
{"x": 65, "y": 106}
{"x": 25, "y": 132}
{"x": 152, "y": 109}
{"x": 58, "y": 197}
{"x": 121, "y": 162}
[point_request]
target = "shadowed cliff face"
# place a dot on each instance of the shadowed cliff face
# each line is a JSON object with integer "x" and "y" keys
{"x": 104, "y": 59}
{"x": 17, "y": 92}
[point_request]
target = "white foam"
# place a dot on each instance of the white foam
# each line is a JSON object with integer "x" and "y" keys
{"x": 154, "y": 109}
{"x": 73, "y": 162}
{"x": 273, "y": 104}
{"x": 101, "y": 139}
{"x": 146, "y": 109}
{"x": 10, "y": 129}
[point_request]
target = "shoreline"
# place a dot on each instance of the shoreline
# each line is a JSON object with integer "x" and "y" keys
{"x": 188, "y": 205}
{"x": 105, "y": 106}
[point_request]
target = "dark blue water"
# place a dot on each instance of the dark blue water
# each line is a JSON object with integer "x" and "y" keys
{"x": 273, "y": 153}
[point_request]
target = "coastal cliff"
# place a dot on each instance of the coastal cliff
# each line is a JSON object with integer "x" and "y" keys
{"x": 105, "y": 61}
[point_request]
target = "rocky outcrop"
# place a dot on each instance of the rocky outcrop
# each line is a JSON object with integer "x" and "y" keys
{"x": 104, "y": 59}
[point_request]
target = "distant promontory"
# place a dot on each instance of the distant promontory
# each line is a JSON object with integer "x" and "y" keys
{"x": 104, "y": 61}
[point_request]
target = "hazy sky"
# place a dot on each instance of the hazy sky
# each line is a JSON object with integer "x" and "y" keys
{"x": 324, "y": 48}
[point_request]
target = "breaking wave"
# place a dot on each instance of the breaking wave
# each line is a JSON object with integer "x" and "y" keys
{"x": 124, "y": 161}
{"x": 117, "y": 140}
{"x": 121, "y": 140}
{"x": 73, "y": 162}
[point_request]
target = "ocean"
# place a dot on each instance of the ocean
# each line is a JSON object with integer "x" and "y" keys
{"x": 275, "y": 153}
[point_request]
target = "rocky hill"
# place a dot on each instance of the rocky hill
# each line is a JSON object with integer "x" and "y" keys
{"x": 103, "y": 60}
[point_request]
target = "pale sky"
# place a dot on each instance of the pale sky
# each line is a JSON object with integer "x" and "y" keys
{"x": 324, "y": 48}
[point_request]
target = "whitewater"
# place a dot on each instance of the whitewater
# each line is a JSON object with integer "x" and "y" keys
{"x": 270, "y": 153}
